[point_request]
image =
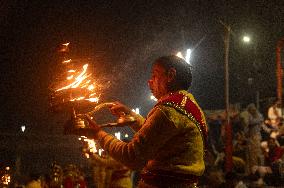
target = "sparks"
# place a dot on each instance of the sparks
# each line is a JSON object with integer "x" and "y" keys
{"x": 66, "y": 61}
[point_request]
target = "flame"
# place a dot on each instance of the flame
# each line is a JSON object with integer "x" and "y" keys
{"x": 64, "y": 47}
{"x": 70, "y": 77}
{"x": 81, "y": 79}
{"x": 100, "y": 152}
{"x": 78, "y": 80}
{"x": 87, "y": 155}
{"x": 66, "y": 44}
{"x": 96, "y": 99}
{"x": 6, "y": 177}
{"x": 66, "y": 61}
{"x": 92, "y": 146}
{"x": 77, "y": 99}
{"x": 91, "y": 87}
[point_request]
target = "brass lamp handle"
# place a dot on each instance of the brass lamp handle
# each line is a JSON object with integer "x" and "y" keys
{"x": 100, "y": 106}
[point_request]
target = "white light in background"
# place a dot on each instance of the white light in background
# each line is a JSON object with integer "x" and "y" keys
{"x": 87, "y": 155}
{"x": 100, "y": 152}
{"x": 117, "y": 135}
{"x": 179, "y": 54}
{"x": 246, "y": 39}
{"x": 126, "y": 135}
{"x": 153, "y": 98}
{"x": 187, "y": 55}
{"x": 136, "y": 110}
{"x": 23, "y": 128}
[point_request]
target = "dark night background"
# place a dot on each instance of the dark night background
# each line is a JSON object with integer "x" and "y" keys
{"x": 122, "y": 38}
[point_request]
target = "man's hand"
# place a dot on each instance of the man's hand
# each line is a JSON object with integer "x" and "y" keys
{"x": 92, "y": 124}
{"x": 78, "y": 127}
{"x": 118, "y": 109}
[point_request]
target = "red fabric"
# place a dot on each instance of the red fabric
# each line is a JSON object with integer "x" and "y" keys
{"x": 82, "y": 183}
{"x": 68, "y": 183}
{"x": 276, "y": 154}
{"x": 190, "y": 107}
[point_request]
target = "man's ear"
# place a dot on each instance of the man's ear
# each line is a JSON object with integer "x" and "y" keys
{"x": 172, "y": 74}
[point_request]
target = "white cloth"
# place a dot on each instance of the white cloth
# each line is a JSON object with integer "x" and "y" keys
{"x": 274, "y": 113}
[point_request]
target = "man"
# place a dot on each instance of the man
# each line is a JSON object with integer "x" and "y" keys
{"x": 252, "y": 120}
{"x": 169, "y": 146}
{"x": 274, "y": 159}
{"x": 118, "y": 175}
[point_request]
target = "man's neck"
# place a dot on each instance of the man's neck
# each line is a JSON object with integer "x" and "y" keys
{"x": 168, "y": 94}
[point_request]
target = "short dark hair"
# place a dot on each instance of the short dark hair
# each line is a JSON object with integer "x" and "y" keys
{"x": 183, "y": 70}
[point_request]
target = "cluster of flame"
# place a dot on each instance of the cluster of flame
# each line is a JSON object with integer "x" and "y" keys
{"x": 92, "y": 146}
{"x": 6, "y": 177}
{"x": 77, "y": 79}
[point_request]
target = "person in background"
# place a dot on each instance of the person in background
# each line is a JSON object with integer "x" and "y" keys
{"x": 56, "y": 176}
{"x": 252, "y": 120}
{"x": 274, "y": 114}
{"x": 34, "y": 181}
{"x": 274, "y": 175}
{"x": 120, "y": 176}
{"x": 274, "y": 153}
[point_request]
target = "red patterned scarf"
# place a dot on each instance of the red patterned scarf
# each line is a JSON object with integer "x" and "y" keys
{"x": 186, "y": 106}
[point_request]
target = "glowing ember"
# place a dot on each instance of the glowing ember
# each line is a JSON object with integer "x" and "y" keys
{"x": 64, "y": 47}
{"x": 66, "y": 44}
{"x": 92, "y": 147}
{"x": 66, "y": 61}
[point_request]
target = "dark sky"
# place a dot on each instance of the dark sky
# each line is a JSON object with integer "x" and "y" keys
{"x": 122, "y": 38}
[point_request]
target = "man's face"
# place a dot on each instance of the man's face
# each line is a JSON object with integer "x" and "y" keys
{"x": 252, "y": 110}
{"x": 271, "y": 144}
{"x": 158, "y": 81}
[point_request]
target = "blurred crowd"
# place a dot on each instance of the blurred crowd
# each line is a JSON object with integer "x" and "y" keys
{"x": 257, "y": 144}
{"x": 105, "y": 173}
{"x": 69, "y": 176}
